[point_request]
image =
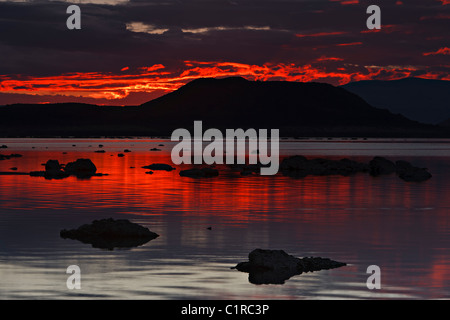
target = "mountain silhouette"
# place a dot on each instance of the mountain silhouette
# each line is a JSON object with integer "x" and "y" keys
{"x": 418, "y": 99}
{"x": 445, "y": 123}
{"x": 297, "y": 109}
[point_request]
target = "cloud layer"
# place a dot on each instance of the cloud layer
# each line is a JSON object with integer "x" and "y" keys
{"x": 128, "y": 52}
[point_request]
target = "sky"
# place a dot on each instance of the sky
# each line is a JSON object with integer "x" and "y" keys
{"x": 128, "y": 52}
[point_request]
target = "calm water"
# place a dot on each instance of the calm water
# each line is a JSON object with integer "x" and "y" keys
{"x": 401, "y": 227}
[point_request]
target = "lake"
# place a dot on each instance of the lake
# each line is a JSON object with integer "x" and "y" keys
{"x": 402, "y": 227}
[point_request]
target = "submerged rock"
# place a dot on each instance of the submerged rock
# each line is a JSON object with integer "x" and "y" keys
{"x": 110, "y": 234}
{"x": 159, "y": 166}
{"x": 199, "y": 173}
{"x": 276, "y": 266}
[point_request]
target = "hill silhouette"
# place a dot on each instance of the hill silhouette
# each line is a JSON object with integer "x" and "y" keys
{"x": 423, "y": 100}
{"x": 297, "y": 109}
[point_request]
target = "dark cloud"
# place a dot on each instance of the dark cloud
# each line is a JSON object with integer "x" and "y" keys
{"x": 34, "y": 40}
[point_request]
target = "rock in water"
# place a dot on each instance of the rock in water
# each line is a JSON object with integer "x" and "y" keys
{"x": 110, "y": 234}
{"x": 299, "y": 167}
{"x": 82, "y": 168}
{"x": 199, "y": 173}
{"x": 276, "y": 266}
{"x": 159, "y": 166}
{"x": 9, "y": 156}
{"x": 380, "y": 166}
{"x": 53, "y": 170}
{"x": 409, "y": 173}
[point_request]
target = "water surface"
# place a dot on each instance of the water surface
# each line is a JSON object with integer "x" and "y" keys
{"x": 361, "y": 220}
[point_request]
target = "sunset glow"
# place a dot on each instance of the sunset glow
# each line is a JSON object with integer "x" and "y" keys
{"x": 117, "y": 86}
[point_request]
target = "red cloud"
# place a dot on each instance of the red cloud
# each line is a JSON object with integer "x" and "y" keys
{"x": 157, "y": 78}
{"x": 349, "y": 44}
{"x": 444, "y": 51}
{"x": 388, "y": 28}
{"x": 324, "y": 58}
{"x": 345, "y": 2}
{"x": 320, "y": 34}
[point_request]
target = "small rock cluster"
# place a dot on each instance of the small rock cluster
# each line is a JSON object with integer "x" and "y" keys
{"x": 9, "y": 156}
{"x": 299, "y": 166}
{"x": 81, "y": 168}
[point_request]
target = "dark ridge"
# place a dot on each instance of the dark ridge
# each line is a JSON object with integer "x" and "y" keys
{"x": 297, "y": 109}
{"x": 423, "y": 100}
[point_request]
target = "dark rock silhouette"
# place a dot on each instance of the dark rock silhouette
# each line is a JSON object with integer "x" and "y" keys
{"x": 406, "y": 171}
{"x": 9, "y": 156}
{"x": 54, "y": 170}
{"x": 276, "y": 266}
{"x": 200, "y": 172}
{"x": 99, "y": 151}
{"x": 300, "y": 166}
{"x": 3, "y": 146}
{"x": 81, "y": 168}
{"x": 110, "y": 234}
{"x": 380, "y": 166}
{"x": 155, "y": 149}
{"x": 121, "y": 155}
{"x": 9, "y": 173}
{"x": 159, "y": 166}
